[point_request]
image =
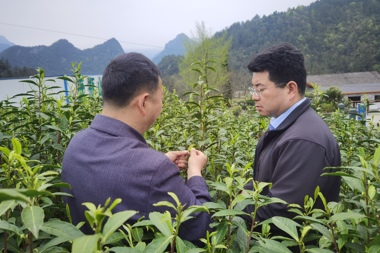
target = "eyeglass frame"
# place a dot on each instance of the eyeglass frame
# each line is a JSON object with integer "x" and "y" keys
{"x": 257, "y": 92}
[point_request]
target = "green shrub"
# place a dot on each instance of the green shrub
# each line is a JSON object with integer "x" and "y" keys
{"x": 35, "y": 133}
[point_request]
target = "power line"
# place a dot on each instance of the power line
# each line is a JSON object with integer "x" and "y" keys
{"x": 79, "y": 35}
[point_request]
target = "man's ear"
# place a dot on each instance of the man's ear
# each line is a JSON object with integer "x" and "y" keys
{"x": 140, "y": 102}
{"x": 293, "y": 87}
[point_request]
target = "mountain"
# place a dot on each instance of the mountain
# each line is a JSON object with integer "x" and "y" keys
{"x": 148, "y": 52}
{"x": 4, "y": 43}
{"x": 173, "y": 47}
{"x": 57, "y": 59}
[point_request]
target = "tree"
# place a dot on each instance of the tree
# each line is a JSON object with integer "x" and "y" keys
{"x": 331, "y": 98}
{"x": 6, "y": 70}
{"x": 207, "y": 49}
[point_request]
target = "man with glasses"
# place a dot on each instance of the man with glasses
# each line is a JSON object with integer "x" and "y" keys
{"x": 298, "y": 145}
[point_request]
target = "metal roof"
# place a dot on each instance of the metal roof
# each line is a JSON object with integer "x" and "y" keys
{"x": 354, "y": 83}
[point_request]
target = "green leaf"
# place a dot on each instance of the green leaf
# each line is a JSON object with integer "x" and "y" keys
{"x": 323, "y": 199}
{"x": 86, "y": 244}
{"x": 114, "y": 222}
{"x": 115, "y": 238}
{"x": 159, "y": 245}
{"x": 376, "y": 157}
{"x": 140, "y": 246}
{"x": 287, "y": 225}
{"x": 220, "y": 186}
{"x": 64, "y": 230}
{"x": 374, "y": 249}
{"x": 16, "y": 146}
{"x": 221, "y": 232}
{"x": 13, "y": 194}
{"x": 49, "y": 246}
{"x": 5, "y": 151}
{"x": 174, "y": 196}
{"x": 238, "y": 199}
{"x": 346, "y": 216}
{"x": 354, "y": 183}
{"x": 310, "y": 219}
{"x": 273, "y": 246}
{"x": 191, "y": 210}
{"x": 318, "y": 250}
{"x": 323, "y": 230}
{"x": 90, "y": 206}
{"x": 114, "y": 204}
{"x": 4, "y": 225}
{"x": 124, "y": 250}
{"x": 33, "y": 218}
{"x": 241, "y": 237}
{"x": 6, "y": 205}
{"x": 165, "y": 203}
{"x": 228, "y": 212}
{"x": 162, "y": 221}
{"x": 305, "y": 230}
{"x": 214, "y": 206}
{"x": 371, "y": 192}
{"x": 180, "y": 246}
{"x": 262, "y": 185}
{"x": 137, "y": 234}
{"x": 29, "y": 81}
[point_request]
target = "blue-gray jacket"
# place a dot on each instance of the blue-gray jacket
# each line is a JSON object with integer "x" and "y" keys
{"x": 292, "y": 158}
{"x": 111, "y": 159}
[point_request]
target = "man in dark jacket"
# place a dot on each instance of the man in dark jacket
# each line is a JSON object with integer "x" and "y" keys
{"x": 111, "y": 159}
{"x": 298, "y": 144}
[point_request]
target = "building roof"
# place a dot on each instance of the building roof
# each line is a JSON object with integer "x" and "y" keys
{"x": 349, "y": 83}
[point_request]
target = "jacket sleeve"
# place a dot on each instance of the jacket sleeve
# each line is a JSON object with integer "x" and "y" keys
{"x": 193, "y": 192}
{"x": 296, "y": 174}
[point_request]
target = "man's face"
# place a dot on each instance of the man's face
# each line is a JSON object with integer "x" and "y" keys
{"x": 269, "y": 100}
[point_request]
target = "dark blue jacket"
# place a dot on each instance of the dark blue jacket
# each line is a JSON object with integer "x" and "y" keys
{"x": 111, "y": 159}
{"x": 292, "y": 158}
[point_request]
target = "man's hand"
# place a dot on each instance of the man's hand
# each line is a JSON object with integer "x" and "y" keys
{"x": 179, "y": 158}
{"x": 197, "y": 162}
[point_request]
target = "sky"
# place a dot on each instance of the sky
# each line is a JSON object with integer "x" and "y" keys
{"x": 136, "y": 24}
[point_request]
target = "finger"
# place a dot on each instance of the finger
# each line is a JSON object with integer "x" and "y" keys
{"x": 181, "y": 166}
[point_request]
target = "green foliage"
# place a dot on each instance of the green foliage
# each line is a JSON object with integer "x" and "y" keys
{"x": 214, "y": 51}
{"x": 35, "y": 133}
{"x": 336, "y": 36}
{"x": 26, "y": 205}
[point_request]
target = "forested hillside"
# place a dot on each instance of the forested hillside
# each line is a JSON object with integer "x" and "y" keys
{"x": 336, "y": 36}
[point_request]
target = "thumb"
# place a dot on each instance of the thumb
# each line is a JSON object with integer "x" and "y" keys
{"x": 193, "y": 151}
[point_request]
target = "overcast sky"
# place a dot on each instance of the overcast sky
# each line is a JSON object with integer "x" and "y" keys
{"x": 147, "y": 24}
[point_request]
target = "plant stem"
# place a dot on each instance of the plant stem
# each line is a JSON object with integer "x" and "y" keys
{"x": 6, "y": 235}
{"x": 334, "y": 238}
{"x": 30, "y": 242}
{"x": 250, "y": 234}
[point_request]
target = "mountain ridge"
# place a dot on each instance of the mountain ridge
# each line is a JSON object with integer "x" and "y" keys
{"x": 57, "y": 58}
{"x": 5, "y": 43}
{"x": 173, "y": 47}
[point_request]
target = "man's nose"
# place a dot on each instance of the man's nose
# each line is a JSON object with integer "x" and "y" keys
{"x": 255, "y": 97}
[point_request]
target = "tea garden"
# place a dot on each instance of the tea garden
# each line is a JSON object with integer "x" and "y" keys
{"x": 35, "y": 132}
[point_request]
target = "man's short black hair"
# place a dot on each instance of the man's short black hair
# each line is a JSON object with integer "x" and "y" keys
{"x": 126, "y": 76}
{"x": 284, "y": 63}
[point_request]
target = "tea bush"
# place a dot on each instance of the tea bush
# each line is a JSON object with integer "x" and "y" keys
{"x": 35, "y": 132}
